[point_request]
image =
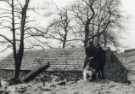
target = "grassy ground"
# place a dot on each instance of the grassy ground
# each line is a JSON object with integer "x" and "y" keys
{"x": 79, "y": 87}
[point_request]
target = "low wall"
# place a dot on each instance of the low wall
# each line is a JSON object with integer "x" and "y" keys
{"x": 115, "y": 69}
{"x": 129, "y": 63}
{"x": 7, "y": 74}
{"x": 61, "y": 75}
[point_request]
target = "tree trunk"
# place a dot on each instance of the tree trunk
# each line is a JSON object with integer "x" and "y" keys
{"x": 18, "y": 62}
{"x": 65, "y": 38}
{"x": 19, "y": 54}
{"x": 14, "y": 40}
{"x": 105, "y": 40}
{"x": 66, "y": 25}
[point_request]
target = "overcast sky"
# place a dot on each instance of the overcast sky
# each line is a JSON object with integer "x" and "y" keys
{"x": 128, "y": 9}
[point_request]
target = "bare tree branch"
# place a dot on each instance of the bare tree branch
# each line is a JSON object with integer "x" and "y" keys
{"x": 4, "y": 37}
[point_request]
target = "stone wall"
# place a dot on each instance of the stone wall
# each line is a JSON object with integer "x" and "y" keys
{"x": 61, "y": 75}
{"x": 118, "y": 67}
{"x": 114, "y": 68}
{"x": 8, "y": 74}
{"x": 129, "y": 63}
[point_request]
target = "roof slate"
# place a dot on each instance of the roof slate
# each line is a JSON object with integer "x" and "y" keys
{"x": 60, "y": 59}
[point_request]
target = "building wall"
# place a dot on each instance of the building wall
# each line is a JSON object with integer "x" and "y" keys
{"x": 68, "y": 75}
{"x": 115, "y": 69}
{"x": 61, "y": 75}
{"x": 129, "y": 63}
{"x": 118, "y": 67}
{"x": 7, "y": 74}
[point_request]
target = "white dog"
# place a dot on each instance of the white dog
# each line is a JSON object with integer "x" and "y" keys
{"x": 88, "y": 73}
{"x": 4, "y": 83}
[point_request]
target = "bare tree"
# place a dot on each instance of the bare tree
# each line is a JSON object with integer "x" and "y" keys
{"x": 16, "y": 43}
{"x": 20, "y": 26}
{"x": 97, "y": 19}
{"x": 19, "y": 54}
{"x": 61, "y": 29}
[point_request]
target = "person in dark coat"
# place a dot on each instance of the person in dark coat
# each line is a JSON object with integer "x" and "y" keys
{"x": 100, "y": 62}
{"x": 95, "y": 60}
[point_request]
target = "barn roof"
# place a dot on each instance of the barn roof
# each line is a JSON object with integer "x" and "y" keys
{"x": 60, "y": 59}
{"x": 129, "y": 52}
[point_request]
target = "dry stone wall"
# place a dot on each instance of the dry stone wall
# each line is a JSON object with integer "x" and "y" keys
{"x": 118, "y": 67}
{"x": 114, "y": 67}
{"x": 129, "y": 63}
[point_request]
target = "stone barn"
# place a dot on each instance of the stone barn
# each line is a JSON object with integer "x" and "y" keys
{"x": 65, "y": 61}
{"x": 68, "y": 63}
